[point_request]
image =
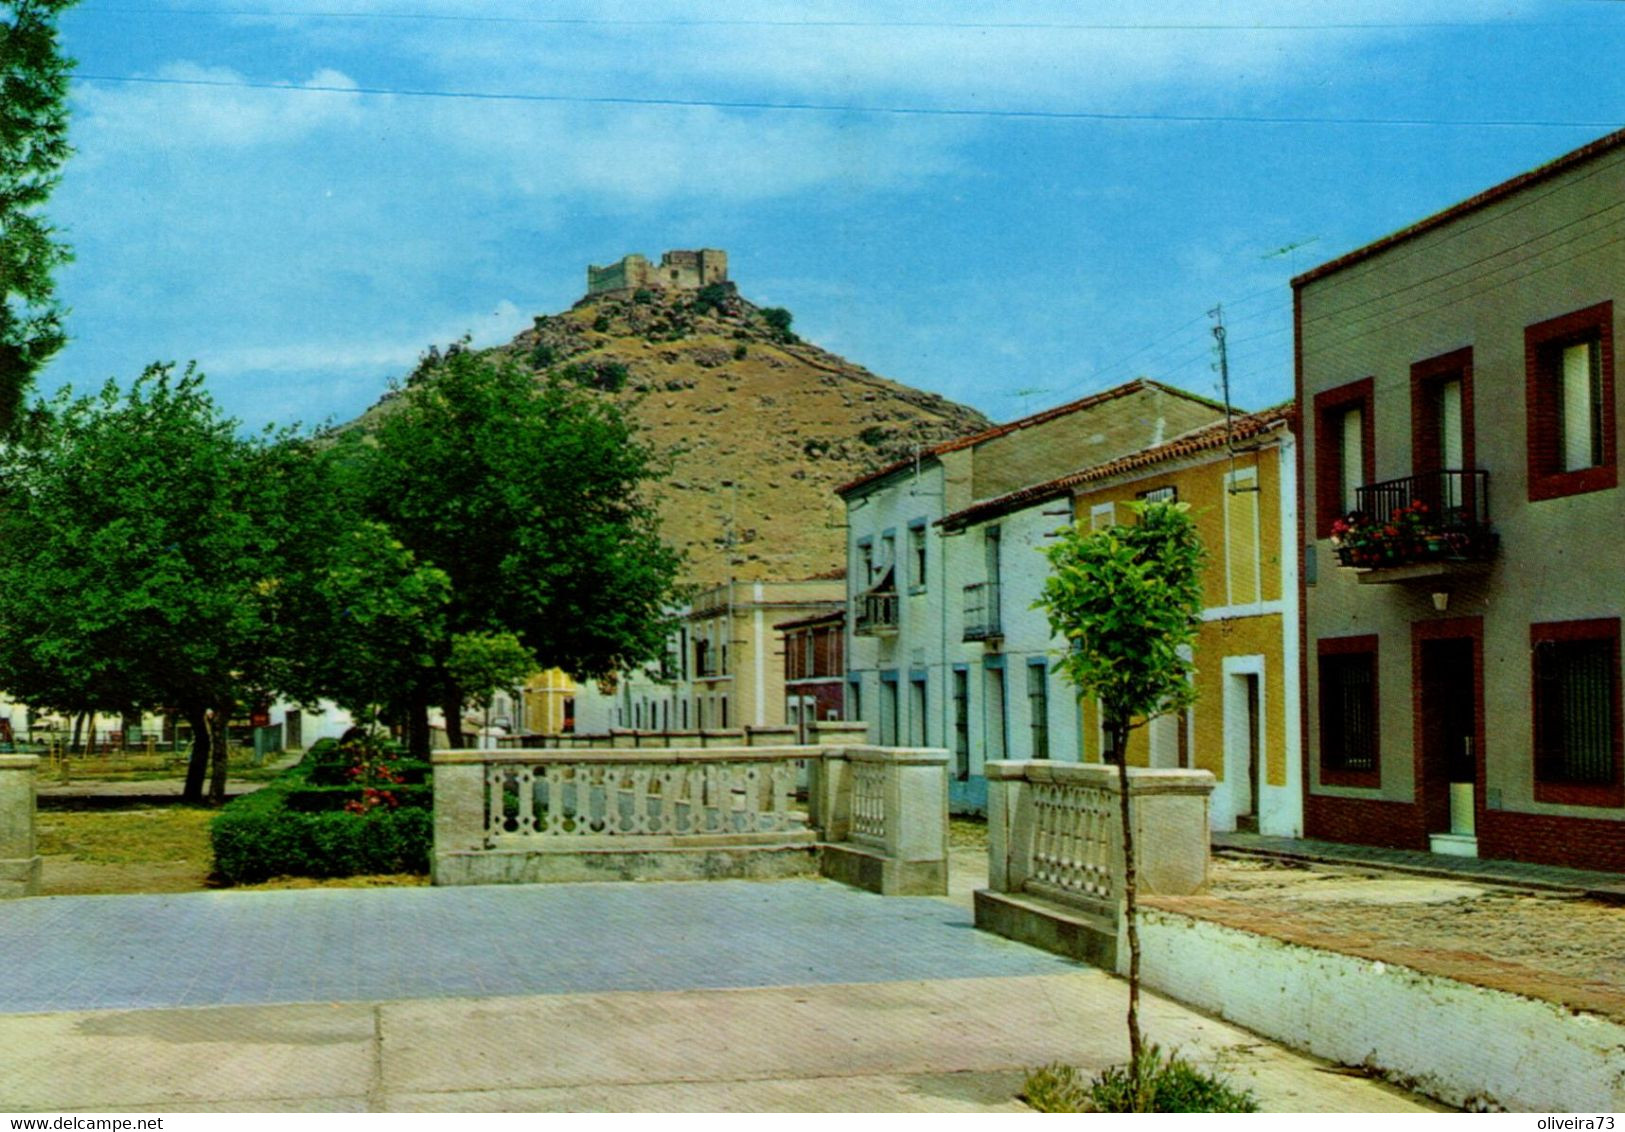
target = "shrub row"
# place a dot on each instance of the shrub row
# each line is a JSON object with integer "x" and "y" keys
{"x": 293, "y": 826}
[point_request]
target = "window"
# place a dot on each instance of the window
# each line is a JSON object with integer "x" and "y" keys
{"x": 1442, "y": 426}
{"x": 1102, "y": 515}
{"x": 916, "y": 711}
{"x": 1569, "y": 363}
{"x": 961, "y": 724}
{"x": 1038, "y": 708}
{"x": 888, "y": 709}
{"x": 1348, "y": 712}
{"x": 1168, "y": 494}
{"x": 916, "y": 549}
{"x": 1344, "y": 451}
{"x": 1577, "y": 712}
{"x": 1241, "y": 555}
{"x": 866, "y": 563}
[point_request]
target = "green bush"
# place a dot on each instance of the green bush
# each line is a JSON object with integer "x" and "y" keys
{"x": 297, "y": 826}
{"x": 778, "y": 320}
{"x": 328, "y": 799}
{"x": 1165, "y": 1083}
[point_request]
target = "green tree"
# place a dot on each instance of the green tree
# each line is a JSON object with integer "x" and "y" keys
{"x": 143, "y": 557}
{"x": 1128, "y": 600}
{"x": 530, "y": 495}
{"x": 483, "y": 664}
{"x": 778, "y": 320}
{"x": 33, "y": 146}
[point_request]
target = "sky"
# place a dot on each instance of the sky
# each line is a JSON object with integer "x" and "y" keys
{"x": 1012, "y": 204}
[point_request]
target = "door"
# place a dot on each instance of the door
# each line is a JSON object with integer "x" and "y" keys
{"x": 1449, "y": 734}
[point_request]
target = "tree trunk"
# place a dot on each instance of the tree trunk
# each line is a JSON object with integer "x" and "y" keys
{"x": 219, "y": 740}
{"x": 198, "y": 764}
{"x": 452, "y": 706}
{"x": 78, "y": 734}
{"x": 1119, "y": 737}
{"x": 417, "y": 725}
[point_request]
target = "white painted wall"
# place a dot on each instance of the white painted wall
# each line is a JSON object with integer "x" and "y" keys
{"x": 1463, "y": 1044}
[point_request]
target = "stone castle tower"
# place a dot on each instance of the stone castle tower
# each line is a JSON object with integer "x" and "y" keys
{"x": 677, "y": 271}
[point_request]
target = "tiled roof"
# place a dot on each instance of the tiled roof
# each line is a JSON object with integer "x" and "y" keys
{"x": 1488, "y": 196}
{"x": 1206, "y": 438}
{"x": 1138, "y": 385}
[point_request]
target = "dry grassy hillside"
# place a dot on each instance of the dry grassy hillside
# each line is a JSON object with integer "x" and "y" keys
{"x": 762, "y": 426}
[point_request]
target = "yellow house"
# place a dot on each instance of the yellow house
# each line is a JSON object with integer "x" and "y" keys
{"x": 1239, "y": 479}
{"x": 547, "y": 703}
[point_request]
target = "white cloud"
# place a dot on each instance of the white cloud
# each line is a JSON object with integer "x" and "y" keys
{"x": 197, "y": 107}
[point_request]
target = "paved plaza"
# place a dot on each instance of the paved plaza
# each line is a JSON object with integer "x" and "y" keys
{"x": 788, "y": 995}
{"x": 349, "y": 945}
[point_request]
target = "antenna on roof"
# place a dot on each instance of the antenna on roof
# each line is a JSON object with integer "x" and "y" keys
{"x": 1223, "y": 366}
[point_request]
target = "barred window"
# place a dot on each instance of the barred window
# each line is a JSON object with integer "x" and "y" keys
{"x": 1348, "y": 712}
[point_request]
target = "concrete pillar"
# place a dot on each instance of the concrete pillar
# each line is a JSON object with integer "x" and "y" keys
{"x": 829, "y": 794}
{"x": 837, "y": 733}
{"x": 19, "y": 852}
{"x": 459, "y": 812}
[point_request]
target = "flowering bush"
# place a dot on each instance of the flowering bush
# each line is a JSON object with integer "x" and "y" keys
{"x": 374, "y": 770}
{"x": 1412, "y": 533}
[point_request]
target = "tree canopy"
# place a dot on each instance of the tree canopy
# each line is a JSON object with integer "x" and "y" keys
{"x": 33, "y": 147}
{"x": 143, "y": 547}
{"x": 1127, "y": 599}
{"x": 531, "y": 497}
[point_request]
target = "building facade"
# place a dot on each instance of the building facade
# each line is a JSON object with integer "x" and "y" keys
{"x": 723, "y": 667}
{"x": 1460, "y": 490}
{"x": 814, "y": 670}
{"x": 942, "y": 640}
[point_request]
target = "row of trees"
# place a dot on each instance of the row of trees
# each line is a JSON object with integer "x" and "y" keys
{"x": 153, "y": 556}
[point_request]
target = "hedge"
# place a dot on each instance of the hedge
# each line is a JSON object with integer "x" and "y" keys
{"x": 286, "y": 829}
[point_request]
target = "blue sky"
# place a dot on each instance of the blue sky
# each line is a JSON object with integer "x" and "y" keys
{"x": 1012, "y": 204}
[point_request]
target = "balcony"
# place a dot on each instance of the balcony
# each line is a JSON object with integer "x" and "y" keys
{"x": 982, "y": 612}
{"x": 1418, "y": 527}
{"x": 875, "y": 614}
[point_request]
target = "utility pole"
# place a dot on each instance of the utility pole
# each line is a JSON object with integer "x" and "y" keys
{"x": 1217, "y": 314}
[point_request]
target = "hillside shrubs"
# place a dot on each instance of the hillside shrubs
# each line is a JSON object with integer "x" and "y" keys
{"x": 377, "y": 818}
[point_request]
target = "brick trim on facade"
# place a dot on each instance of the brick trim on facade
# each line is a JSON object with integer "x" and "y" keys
{"x": 1546, "y": 479}
{"x": 1435, "y": 807}
{"x": 1566, "y": 793}
{"x": 1365, "y": 821}
{"x": 1330, "y": 405}
{"x": 1426, "y": 377}
{"x": 1365, "y": 645}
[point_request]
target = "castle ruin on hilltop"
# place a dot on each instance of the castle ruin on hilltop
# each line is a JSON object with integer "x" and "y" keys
{"x": 677, "y": 271}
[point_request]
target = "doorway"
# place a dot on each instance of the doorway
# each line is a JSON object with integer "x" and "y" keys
{"x": 1448, "y": 708}
{"x": 1243, "y": 739}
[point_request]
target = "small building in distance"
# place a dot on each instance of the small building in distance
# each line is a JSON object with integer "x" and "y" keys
{"x": 814, "y": 669}
{"x": 678, "y": 270}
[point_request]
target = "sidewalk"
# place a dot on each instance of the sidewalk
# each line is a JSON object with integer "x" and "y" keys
{"x": 1575, "y": 882}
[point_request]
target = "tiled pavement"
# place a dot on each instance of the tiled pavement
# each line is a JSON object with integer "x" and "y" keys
{"x": 335, "y": 945}
{"x": 1576, "y": 881}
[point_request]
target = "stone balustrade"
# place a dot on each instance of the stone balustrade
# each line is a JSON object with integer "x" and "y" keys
{"x": 19, "y": 852}
{"x": 512, "y": 816}
{"x": 1055, "y": 850}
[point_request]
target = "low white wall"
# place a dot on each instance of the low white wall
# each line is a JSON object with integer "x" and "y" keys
{"x": 1466, "y": 1045}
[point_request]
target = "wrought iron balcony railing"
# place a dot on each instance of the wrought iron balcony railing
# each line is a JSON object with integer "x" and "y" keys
{"x": 1441, "y": 516}
{"x": 875, "y": 614}
{"x": 982, "y": 611}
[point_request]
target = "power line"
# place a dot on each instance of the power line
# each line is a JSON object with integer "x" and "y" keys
{"x": 969, "y": 25}
{"x": 848, "y": 108}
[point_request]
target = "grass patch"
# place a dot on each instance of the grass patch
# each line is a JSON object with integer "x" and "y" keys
{"x": 146, "y": 836}
{"x": 1165, "y": 1083}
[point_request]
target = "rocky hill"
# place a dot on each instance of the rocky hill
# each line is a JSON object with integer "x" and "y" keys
{"x": 762, "y": 425}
